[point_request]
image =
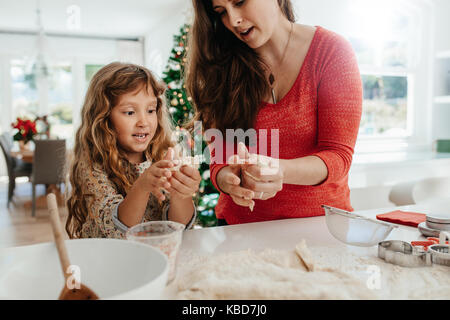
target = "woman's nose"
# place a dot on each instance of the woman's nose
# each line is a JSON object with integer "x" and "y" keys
{"x": 235, "y": 19}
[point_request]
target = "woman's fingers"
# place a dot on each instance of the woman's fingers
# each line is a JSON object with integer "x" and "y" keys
{"x": 249, "y": 182}
{"x": 259, "y": 173}
{"x": 265, "y": 196}
{"x": 232, "y": 179}
{"x": 240, "y": 192}
{"x": 242, "y": 202}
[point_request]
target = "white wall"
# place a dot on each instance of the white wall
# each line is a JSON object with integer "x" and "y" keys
{"x": 159, "y": 40}
{"x": 441, "y": 112}
{"x": 442, "y": 30}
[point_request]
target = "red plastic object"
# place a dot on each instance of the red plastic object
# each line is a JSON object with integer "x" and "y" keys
{"x": 402, "y": 217}
{"x": 424, "y": 244}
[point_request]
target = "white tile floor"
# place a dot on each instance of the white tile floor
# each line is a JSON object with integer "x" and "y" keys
{"x": 17, "y": 226}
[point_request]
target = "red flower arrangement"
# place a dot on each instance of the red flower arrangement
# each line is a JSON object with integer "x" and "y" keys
{"x": 27, "y": 130}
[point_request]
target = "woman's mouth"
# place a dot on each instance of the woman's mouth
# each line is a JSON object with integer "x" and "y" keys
{"x": 246, "y": 33}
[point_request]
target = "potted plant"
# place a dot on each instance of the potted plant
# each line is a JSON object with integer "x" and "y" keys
{"x": 26, "y": 131}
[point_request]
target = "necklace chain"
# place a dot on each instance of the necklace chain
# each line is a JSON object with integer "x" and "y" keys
{"x": 271, "y": 76}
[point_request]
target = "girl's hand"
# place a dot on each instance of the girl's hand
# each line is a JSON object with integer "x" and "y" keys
{"x": 184, "y": 182}
{"x": 157, "y": 176}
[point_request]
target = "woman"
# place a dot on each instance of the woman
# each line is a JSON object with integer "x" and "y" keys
{"x": 251, "y": 66}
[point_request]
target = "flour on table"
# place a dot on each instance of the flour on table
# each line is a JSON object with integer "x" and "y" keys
{"x": 270, "y": 274}
{"x": 283, "y": 274}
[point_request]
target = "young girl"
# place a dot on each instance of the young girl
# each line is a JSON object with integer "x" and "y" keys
{"x": 122, "y": 158}
{"x": 250, "y": 66}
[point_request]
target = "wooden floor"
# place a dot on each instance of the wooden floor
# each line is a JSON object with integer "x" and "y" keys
{"x": 17, "y": 226}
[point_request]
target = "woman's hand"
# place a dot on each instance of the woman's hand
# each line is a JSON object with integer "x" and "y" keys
{"x": 264, "y": 184}
{"x": 261, "y": 174}
{"x": 229, "y": 182}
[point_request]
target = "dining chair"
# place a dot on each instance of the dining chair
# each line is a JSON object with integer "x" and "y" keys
{"x": 15, "y": 167}
{"x": 421, "y": 191}
{"x": 48, "y": 165}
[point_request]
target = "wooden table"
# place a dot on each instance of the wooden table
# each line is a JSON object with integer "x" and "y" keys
{"x": 24, "y": 155}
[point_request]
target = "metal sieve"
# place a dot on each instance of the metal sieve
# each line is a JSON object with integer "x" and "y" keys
{"x": 354, "y": 229}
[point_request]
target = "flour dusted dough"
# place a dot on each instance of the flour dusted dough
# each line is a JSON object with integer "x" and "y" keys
{"x": 193, "y": 162}
{"x": 305, "y": 255}
{"x": 270, "y": 274}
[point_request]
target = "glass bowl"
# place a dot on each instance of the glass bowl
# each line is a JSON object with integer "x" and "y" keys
{"x": 163, "y": 235}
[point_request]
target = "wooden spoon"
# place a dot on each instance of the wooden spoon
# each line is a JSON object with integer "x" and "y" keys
{"x": 83, "y": 293}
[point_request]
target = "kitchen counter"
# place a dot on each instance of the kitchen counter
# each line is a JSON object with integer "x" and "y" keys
{"x": 285, "y": 234}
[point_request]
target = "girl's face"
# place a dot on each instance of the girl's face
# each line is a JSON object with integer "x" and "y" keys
{"x": 135, "y": 122}
{"x": 251, "y": 21}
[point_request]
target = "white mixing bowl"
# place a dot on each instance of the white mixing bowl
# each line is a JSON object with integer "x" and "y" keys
{"x": 113, "y": 269}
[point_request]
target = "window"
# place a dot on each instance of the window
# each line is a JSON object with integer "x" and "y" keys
{"x": 90, "y": 70}
{"x": 25, "y": 97}
{"x": 61, "y": 101}
{"x": 386, "y": 45}
{"x": 385, "y": 106}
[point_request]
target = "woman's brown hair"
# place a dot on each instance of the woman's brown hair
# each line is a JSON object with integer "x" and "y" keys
{"x": 225, "y": 78}
{"x": 95, "y": 140}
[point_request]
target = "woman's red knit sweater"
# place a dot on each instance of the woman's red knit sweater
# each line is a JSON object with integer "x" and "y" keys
{"x": 319, "y": 116}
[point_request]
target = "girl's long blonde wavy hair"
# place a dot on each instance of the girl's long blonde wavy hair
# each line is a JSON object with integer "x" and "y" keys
{"x": 96, "y": 142}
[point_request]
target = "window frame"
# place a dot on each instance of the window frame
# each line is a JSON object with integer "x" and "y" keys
{"x": 419, "y": 53}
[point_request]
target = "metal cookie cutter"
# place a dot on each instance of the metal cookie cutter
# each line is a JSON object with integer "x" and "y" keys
{"x": 440, "y": 253}
{"x": 403, "y": 254}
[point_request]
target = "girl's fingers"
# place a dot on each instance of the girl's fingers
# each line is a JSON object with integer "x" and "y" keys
{"x": 164, "y": 164}
{"x": 184, "y": 180}
{"x": 158, "y": 194}
{"x": 161, "y": 183}
{"x": 181, "y": 188}
{"x": 193, "y": 173}
{"x": 174, "y": 192}
{"x": 160, "y": 172}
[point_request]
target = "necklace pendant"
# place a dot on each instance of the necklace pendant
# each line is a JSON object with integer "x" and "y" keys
{"x": 273, "y": 96}
{"x": 271, "y": 79}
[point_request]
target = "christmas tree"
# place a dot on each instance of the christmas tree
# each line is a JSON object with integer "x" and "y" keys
{"x": 181, "y": 111}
